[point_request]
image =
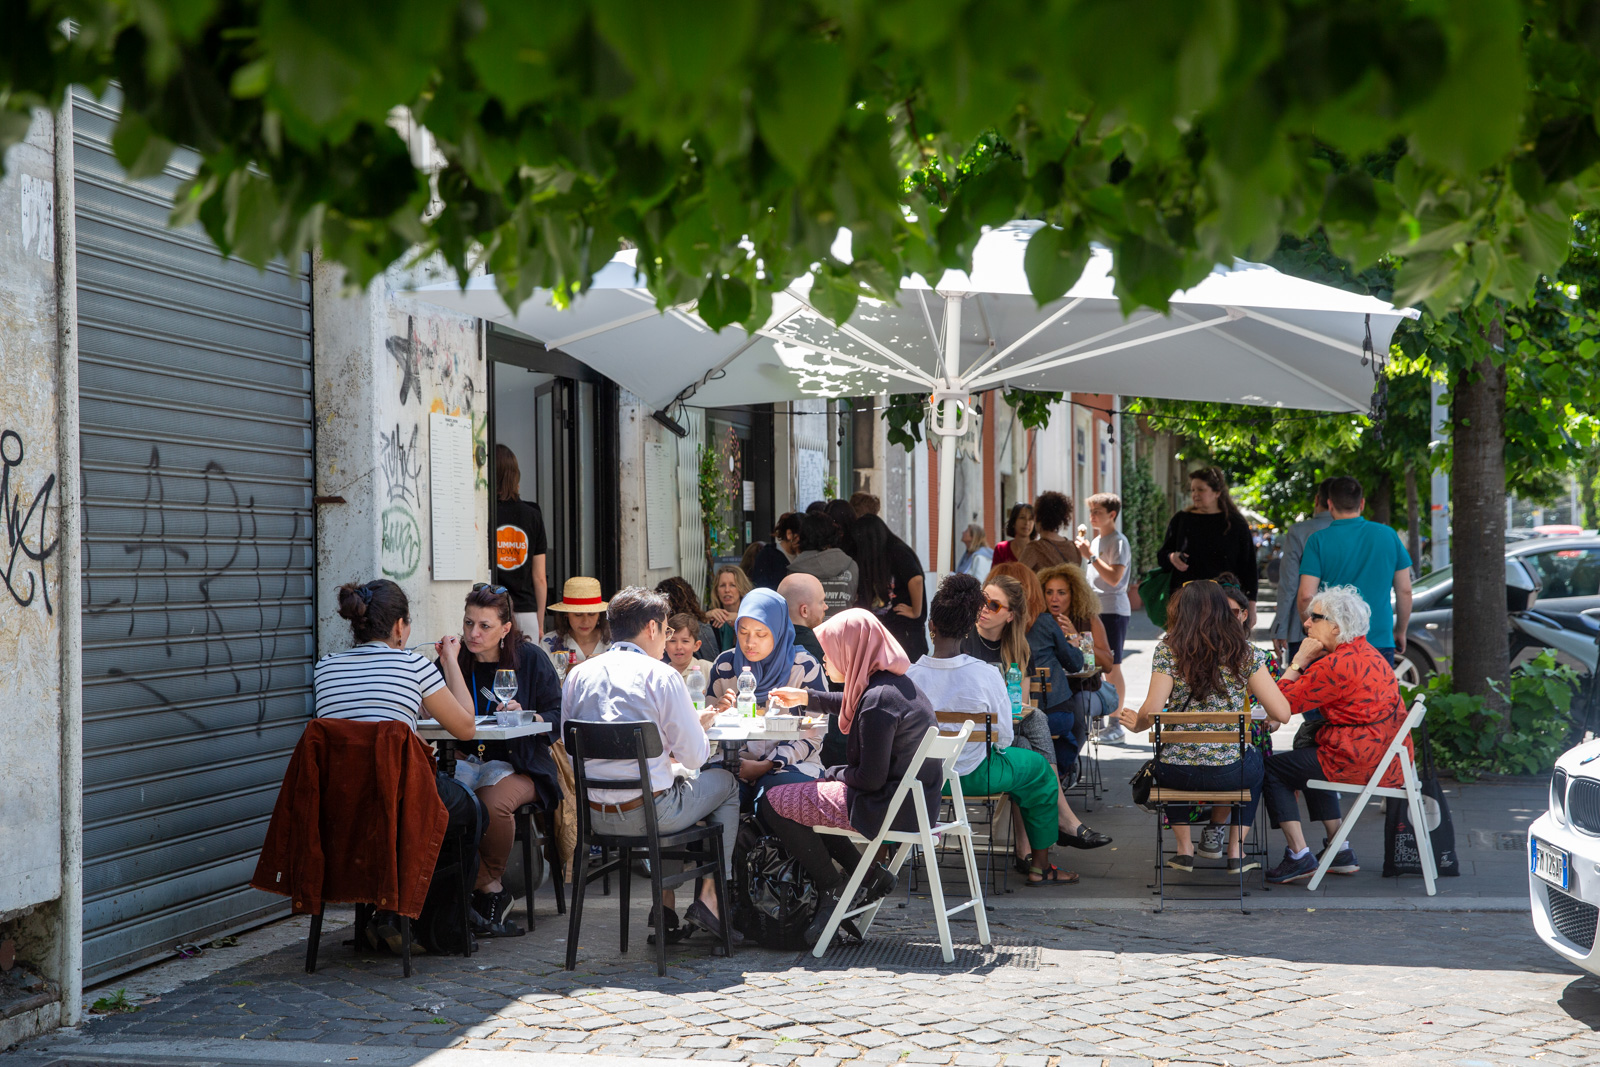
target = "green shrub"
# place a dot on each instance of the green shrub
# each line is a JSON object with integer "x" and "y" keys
{"x": 1469, "y": 739}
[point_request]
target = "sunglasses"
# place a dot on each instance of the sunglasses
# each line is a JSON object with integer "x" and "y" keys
{"x": 497, "y": 590}
{"x": 1314, "y": 617}
{"x": 994, "y": 605}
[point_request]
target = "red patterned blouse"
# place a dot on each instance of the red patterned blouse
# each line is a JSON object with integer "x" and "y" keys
{"x": 1356, "y": 689}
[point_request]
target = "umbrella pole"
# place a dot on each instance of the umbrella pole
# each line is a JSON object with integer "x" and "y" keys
{"x": 950, "y": 426}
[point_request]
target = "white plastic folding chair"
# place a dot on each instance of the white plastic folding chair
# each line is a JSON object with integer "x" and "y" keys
{"x": 1411, "y": 793}
{"x": 928, "y": 834}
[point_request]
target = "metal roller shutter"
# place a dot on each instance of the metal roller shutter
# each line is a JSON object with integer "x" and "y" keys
{"x": 195, "y": 388}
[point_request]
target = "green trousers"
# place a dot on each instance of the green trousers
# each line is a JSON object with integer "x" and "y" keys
{"x": 1027, "y": 778}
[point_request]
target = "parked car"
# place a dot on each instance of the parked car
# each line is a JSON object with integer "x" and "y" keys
{"x": 1566, "y": 573}
{"x": 1564, "y": 858}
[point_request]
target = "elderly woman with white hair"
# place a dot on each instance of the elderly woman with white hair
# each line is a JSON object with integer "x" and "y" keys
{"x": 1339, "y": 671}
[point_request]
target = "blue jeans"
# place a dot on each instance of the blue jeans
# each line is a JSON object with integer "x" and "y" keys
{"x": 1069, "y": 727}
{"x": 1228, "y": 776}
{"x": 749, "y": 791}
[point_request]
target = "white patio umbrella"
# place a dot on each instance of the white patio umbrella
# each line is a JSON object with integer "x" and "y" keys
{"x": 1247, "y": 334}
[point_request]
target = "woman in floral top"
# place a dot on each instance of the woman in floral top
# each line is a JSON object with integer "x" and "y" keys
{"x": 1204, "y": 663}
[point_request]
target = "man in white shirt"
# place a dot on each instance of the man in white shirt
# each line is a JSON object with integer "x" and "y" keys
{"x": 633, "y": 684}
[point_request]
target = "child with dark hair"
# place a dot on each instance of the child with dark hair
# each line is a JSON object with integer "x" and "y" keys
{"x": 953, "y": 681}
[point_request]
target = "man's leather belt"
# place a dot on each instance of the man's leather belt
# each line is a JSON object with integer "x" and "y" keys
{"x": 626, "y": 805}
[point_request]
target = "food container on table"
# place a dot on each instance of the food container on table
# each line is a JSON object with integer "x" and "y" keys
{"x": 507, "y": 718}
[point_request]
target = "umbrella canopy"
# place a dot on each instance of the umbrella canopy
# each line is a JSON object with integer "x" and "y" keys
{"x": 1247, "y": 334}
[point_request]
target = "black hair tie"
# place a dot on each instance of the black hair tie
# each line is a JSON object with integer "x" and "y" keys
{"x": 365, "y": 593}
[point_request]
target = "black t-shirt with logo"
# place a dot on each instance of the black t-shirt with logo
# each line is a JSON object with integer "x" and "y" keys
{"x": 518, "y": 538}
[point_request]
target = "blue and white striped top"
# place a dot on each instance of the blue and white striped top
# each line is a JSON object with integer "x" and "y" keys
{"x": 374, "y": 683}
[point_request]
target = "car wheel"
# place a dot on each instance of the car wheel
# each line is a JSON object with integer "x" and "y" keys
{"x": 1412, "y": 669}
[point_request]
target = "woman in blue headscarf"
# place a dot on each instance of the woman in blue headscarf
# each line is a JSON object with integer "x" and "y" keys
{"x": 764, "y": 642}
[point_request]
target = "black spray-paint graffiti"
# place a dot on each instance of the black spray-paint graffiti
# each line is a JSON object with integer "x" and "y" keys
{"x": 413, "y": 355}
{"x": 243, "y": 597}
{"x": 22, "y": 560}
{"x": 401, "y": 462}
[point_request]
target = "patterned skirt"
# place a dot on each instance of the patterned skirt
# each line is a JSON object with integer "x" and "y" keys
{"x": 811, "y": 803}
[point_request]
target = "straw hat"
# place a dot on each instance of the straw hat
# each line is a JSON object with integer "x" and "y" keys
{"x": 580, "y": 595}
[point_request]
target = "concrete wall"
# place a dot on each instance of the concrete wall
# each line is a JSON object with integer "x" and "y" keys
{"x": 384, "y": 362}
{"x": 30, "y": 684}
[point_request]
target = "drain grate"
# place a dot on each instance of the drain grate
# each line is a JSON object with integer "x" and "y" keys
{"x": 1500, "y": 840}
{"x": 924, "y": 954}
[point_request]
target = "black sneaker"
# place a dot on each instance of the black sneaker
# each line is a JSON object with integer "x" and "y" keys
{"x": 1293, "y": 870}
{"x": 1344, "y": 861}
{"x": 492, "y": 906}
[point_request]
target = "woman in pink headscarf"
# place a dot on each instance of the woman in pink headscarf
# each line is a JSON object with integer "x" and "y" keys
{"x": 885, "y": 718}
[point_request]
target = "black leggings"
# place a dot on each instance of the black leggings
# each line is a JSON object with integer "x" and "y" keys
{"x": 816, "y": 852}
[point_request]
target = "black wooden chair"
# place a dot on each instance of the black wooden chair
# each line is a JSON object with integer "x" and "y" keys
{"x": 638, "y": 741}
{"x": 456, "y": 844}
{"x": 523, "y": 818}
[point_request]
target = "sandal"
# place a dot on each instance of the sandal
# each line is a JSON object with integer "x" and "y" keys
{"x": 1051, "y": 875}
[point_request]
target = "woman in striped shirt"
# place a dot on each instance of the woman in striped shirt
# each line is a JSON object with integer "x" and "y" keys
{"x": 380, "y": 679}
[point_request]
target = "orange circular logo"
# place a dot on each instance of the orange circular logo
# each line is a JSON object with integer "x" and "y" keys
{"x": 510, "y": 547}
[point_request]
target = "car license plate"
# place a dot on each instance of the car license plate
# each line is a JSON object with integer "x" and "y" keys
{"x": 1550, "y": 863}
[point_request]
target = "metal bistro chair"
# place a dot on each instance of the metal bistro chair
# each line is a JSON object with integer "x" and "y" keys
{"x": 638, "y": 741}
{"x": 1226, "y": 728}
{"x": 1090, "y": 785}
{"x": 998, "y": 877}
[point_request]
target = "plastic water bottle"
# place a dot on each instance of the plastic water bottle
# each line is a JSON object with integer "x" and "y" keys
{"x": 696, "y": 681}
{"x": 746, "y": 702}
{"x": 1086, "y": 642}
{"x": 1014, "y": 688}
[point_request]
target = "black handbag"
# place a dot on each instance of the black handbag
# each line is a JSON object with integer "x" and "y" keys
{"x": 1144, "y": 779}
{"x": 1400, "y": 851}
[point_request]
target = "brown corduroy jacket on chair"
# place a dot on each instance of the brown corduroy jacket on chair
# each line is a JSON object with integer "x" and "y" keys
{"x": 358, "y": 819}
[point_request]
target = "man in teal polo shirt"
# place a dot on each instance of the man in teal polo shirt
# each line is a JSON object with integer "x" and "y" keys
{"x": 1367, "y": 555}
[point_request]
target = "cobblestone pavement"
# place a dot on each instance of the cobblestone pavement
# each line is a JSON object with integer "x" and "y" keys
{"x": 1061, "y": 989}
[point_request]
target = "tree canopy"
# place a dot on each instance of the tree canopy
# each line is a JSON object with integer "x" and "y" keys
{"x": 729, "y": 142}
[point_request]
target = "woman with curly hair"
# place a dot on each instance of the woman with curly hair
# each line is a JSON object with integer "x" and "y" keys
{"x": 1204, "y": 663}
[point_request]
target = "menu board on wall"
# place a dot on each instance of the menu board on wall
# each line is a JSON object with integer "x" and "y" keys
{"x": 811, "y": 470}
{"x": 456, "y": 547}
{"x": 660, "y": 507}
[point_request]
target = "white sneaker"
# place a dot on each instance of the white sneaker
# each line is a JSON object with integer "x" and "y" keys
{"x": 1114, "y": 734}
{"x": 1213, "y": 839}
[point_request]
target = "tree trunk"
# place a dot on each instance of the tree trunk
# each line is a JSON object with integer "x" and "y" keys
{"x": 1413, "y": 520}
{"x": 1381, "y": 499}
{"x": 1587, "y": 479}
{"x": 1478, "y": 531}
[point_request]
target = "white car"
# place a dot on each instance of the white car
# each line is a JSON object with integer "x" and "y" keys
{"x": 1564, "y": 858}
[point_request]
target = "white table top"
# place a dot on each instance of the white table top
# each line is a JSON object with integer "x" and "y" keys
{"x": 742, "y": 729}
{"x": 429, "y": 730}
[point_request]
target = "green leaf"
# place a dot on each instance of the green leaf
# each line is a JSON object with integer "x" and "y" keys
{"x": 801, "y": 110}
{"x": 139, "y": 148}
{"x": 725, "y": 301}
{"x": 1054, "y": 261}
{"x": 834, "y": 295}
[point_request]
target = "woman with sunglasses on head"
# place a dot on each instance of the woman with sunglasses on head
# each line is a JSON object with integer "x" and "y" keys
{"x": 581, "y": 629}
{"x": 1205, "y": 664}
{"x": 1013, "y": 627}
{"x": 505, "y": 775}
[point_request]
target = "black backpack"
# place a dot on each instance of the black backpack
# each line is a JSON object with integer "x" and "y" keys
{"x": 773, "y": 896}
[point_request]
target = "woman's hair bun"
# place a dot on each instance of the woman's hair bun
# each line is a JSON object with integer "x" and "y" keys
{"x": 352, "y": 605}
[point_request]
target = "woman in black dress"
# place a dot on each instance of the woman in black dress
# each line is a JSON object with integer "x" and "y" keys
{"x": 890, "y": 584}
{"x": 1209, "y": 537}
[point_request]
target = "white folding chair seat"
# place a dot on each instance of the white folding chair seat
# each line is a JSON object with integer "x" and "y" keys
{"x": 1411, "y": 793}
{"x": 928, "y": 834}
